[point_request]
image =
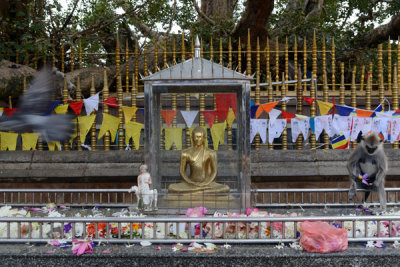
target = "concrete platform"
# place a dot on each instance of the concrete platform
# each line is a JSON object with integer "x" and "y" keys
{"x": 238, "y": 255}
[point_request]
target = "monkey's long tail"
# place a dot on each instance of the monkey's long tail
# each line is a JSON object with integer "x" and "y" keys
{"x": 366, "y": 195}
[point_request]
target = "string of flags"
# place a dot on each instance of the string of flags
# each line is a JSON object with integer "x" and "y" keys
{"x": 346, "y": 124}
{"x": 226, "y": 111}
{"x": 342, "y": 127}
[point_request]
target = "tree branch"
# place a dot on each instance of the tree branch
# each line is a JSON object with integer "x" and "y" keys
{"x": 172, "y": 18}
{"x": 100, "y": 25}
{"x": 66, "y": 22}
{"x": 349, "y": 12}
{"x": 382, "y": 33}
{"x": 202, "y": 15}
{"x": 373, "y": 38}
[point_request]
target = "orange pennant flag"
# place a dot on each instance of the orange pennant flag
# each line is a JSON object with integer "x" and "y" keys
{"x": 168, "y": 115}
{"x": 364, "y": 113}
{"x": 267, "y": 107}
{"x": 259, "y": 111}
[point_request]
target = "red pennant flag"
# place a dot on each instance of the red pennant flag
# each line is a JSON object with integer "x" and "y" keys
{"x": 210, "y": 115}
{"x": 111, "y": 101}
{"x": 222, "y": 114}
{"x": 224, "y": 101}
{"x": 309, "y": 100}
{"x": 168, "y": 115}
{"x": 10, "y": 111}
{"x": 288, "y": 116}
{"x": 367, "y": 76}
{"x": 76, "y": 106}
{"x": 333, "y": 108}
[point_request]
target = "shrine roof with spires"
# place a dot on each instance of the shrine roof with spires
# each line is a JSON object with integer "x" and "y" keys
{"x": 197, "y": 68}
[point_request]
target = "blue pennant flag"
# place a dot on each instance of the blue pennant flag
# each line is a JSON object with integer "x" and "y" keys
{"x": 344, "y": 110}
{"x": 312, "y": 125}
{"x": 378, "y": 109}
{"x": 253, "y": 111}
{"x": 52, "y": 106}
{"x": 252, "y": 103}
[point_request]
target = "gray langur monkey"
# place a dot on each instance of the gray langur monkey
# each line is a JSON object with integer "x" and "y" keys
{"x": 367, "y": 168}
{"x": 59, "y": 82}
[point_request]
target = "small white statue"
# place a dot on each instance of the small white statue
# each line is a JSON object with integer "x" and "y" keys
{"x": 145, "y": 196}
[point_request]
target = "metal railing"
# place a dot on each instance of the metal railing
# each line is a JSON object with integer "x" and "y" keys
{"x": 173, "y": 229}
{"x": 179, "y": 229}
{"x": 262, "y": 198}
{"x": 70, "y": 197}
{"x": 318, "y": 197}
{"x": 118, "y": 198}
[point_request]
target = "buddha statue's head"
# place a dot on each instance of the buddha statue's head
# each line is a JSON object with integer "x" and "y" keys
{"x": 198, "y": 136}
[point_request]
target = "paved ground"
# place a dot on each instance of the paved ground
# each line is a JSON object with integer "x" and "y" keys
{"x": 237, "y": 255}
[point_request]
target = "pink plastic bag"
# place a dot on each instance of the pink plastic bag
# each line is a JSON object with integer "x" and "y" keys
{"x": 322, "y": 237}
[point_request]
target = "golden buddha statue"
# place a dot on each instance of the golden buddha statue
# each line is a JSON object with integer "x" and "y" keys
{"x": 203, "y": 168}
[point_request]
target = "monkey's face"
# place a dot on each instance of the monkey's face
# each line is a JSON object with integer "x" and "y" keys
{"x": 372, "y": 144}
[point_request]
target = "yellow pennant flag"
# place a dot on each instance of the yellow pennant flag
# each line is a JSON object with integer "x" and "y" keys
{"x": 61, "y": 109}
{"x": 110, "y": 123}
{"x": 324, "y": 107}
{"x": 29, "y": 140}
{"x": 173, "y": 135}
{"x": 231, "y": 117}
{"x": 191, "y": 130}
{"x": 301, "y": 117}
{"x": 1, "y": 111}
{"x": 8, "y": 141}
{"x": 85, "y": 123}
{"x": 133, "y": 130}
{"x": 55, "y": 145}
{"x": 74, "y": 132}
{"x": 128, "y": 113}
{"x": 218, "y": 134}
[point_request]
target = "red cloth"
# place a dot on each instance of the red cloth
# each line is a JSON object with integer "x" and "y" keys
{"x": 10, "y": 111}
{"x": 111, "y": 101}
{"x": 333, "y": 108}
{"x": 210, "y": 115}
{"x": 309, "y": 100}
{"x": 226, "y": 100}
{"x": 76, "y": 106}
{"x": 288, "y": 116}
{"x": 222, "y": 114}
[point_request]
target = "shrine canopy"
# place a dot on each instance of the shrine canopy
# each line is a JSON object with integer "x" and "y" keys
{"x": 197, "y": 68}
{"x": 193, "y": 76}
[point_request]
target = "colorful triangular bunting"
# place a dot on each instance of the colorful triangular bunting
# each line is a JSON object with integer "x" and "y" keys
{"x": 168, "y": 115}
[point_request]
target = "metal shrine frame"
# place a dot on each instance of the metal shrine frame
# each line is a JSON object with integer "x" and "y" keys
{"x": 198, "y": 75}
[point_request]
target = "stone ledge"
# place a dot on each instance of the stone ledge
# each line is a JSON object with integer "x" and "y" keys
{"x": 265, "y": 163}
{"x": 238, "y": 255}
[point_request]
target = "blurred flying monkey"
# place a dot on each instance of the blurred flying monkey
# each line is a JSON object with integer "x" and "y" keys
{"x": 367, "y": 168}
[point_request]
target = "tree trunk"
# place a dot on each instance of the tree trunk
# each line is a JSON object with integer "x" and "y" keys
{"x": 218, "y": 9}
{"x": 255, "y": 18}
